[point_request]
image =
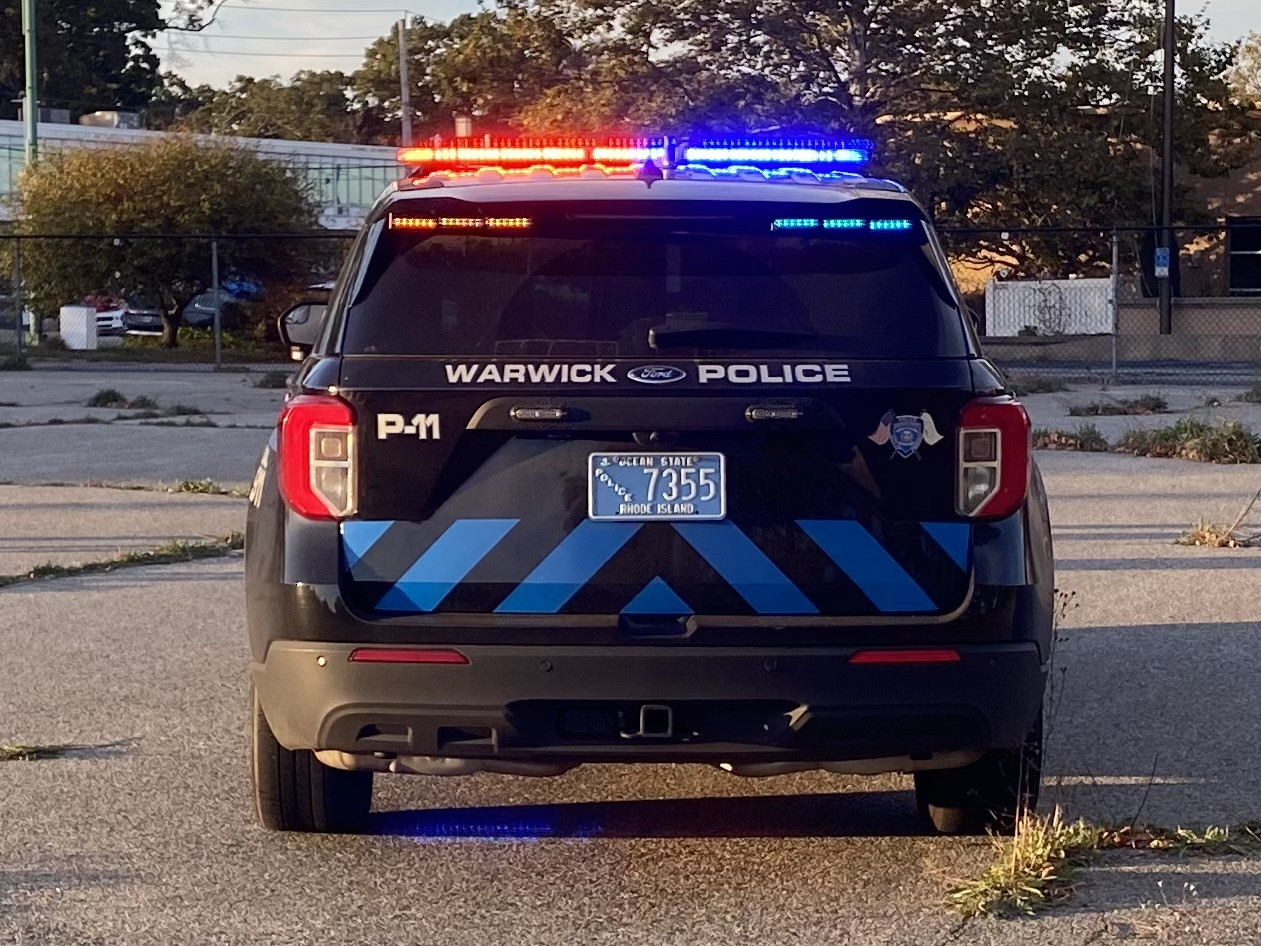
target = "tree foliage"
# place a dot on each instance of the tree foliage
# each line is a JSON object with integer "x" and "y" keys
{"x": 997, "y": 114}
{"x": 1243, "y": 77}
{"x": 159, "y": 203}
{"x": 89, "y": 56}
{"x": 312, "y": 106}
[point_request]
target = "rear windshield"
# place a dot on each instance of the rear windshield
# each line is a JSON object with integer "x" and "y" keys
{"x": 669, "y": 287}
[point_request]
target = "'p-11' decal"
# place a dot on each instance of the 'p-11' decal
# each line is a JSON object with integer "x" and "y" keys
{"x": 422, "y": 426}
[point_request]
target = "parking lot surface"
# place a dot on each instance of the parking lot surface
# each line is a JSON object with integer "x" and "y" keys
{"x": 149, "y": 838}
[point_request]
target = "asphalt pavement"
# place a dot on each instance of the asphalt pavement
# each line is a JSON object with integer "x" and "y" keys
{"x": 70, "y": 525}
{"x": 151, "y": 840}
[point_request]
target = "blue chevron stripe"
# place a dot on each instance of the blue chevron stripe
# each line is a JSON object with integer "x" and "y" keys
{"x": 955, "y": 538}
{"x": 570, "y": 565}
{"x": 745, "y": 567}
{"x": 444, "y": 564}
{"x": 358, "y": 536}
{"x": 868, "y": 565}
{"x": 657, "y": 597}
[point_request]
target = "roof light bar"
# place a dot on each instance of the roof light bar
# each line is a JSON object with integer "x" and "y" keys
{"x": 765, "y": 153}
{"x": 463, "y": 153}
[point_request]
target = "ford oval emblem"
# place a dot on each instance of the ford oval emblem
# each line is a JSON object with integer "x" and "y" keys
{"x": 656, "y": 374}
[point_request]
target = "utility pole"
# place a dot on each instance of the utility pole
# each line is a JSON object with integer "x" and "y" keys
{"x": 404, "y": 84}
{"x": 1166, "y": 240}
{"x": 30, "y": 104}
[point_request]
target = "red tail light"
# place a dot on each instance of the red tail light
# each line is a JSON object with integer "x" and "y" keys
{"x": 993, "y": 452}
{"x": 931, "y": 655}
{"x": 406, "y": 655}
{"x": 317, "y": 456}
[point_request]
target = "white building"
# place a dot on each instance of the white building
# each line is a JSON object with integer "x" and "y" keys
{"x": 346, "y": 178}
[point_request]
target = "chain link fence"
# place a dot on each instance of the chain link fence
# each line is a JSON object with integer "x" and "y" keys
{"x": 114, "y": 297}
{"x": 1070, "y": 303}
{"x": 1085, "y": 304}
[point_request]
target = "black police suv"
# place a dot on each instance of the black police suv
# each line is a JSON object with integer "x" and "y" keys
{"x": 646, "y": 465}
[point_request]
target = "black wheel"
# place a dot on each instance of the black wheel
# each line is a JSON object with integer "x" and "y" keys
{"x": 988, "y": 795}
{"x": 295, "y": 791}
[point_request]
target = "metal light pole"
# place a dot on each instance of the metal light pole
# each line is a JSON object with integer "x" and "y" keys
{"x": 30, "y": 106}
{"x": 1166, "y": 176}
{"x": 404, "y": 85}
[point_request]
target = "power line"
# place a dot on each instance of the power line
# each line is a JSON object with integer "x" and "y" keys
{"x": 255, "y": 6}
{"x": 291, "y": 39}
{"x": 180, "y": 51}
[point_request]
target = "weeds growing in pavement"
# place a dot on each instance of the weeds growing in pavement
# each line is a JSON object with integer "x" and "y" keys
{"x": 1192, "y": 439}
{"x": 30, "y": 752}
{"x": 1086, "y": 437}
{"x": 182, "y": 410}
{"x": 115, "y": 399}
{"x": 168, "y": 553}
{"x": 1038, "y": 866}
{"x": 272, "y": 379}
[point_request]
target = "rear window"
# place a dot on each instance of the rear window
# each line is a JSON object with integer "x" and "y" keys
{"x": 683, "y": 286}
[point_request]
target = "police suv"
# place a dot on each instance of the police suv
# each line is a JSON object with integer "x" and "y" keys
{"x": 646, "y": 450}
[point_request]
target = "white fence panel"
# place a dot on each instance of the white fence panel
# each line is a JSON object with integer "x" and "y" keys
{"x": 1048, "y": 307}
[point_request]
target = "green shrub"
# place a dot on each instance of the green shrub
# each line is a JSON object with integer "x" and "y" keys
{"x": 1086, "y": 437}
{"x": 273, "y": 379}
{"x": 108, "y": 397}
{"x": 14, "y": 363}
{"x": 1191, "y": 439}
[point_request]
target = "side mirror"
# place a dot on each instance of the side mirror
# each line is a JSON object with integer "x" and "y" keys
{"x": 299, "y": 327}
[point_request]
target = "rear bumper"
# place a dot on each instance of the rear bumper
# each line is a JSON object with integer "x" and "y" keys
{"x": 582, "y": 704}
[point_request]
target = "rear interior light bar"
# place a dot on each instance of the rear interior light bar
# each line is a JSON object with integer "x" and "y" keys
{"x": 400, "y": 222}
{"x": 923, "y": 655}
{"x": 993, "y": 458}
{"x": 406, "y": 655}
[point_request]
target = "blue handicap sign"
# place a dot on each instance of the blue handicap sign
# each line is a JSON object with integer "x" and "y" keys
{"x": 1162, "y": 262}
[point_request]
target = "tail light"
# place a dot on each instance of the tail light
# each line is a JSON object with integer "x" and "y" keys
{"x": 994, "y": 450}
{"x": 317, "y": 456}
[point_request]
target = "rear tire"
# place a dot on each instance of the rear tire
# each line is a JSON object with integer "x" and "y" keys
{"x": 989, "y": 795}
{"x": 295, "y": 791}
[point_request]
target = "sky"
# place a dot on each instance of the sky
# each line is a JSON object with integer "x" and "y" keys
{"x": 279, "y": 37}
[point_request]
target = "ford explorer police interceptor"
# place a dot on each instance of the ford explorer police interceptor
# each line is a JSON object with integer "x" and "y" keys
{"x": 648, "y": 450}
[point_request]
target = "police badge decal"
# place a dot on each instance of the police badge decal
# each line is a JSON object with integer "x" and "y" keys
{"x": 906, "y": 432}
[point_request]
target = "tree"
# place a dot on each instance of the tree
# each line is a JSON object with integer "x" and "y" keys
{"x": 1022, "y": 113}
{"x": 489, "y": 65}
{"x": 1243, "y": 77}
{"x": 142, "y": 217}
{"x": 312, "y": 106}
{"x": 90, "y": 56}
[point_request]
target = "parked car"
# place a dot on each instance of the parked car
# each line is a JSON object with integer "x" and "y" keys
{"x": 200, "y": 311}
{"x": 142, "y": 316}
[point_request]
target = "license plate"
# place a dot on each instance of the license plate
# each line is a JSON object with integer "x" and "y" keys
{"x": 666, "y": 486}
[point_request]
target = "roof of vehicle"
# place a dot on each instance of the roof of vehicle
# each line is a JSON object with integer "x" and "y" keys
{"x": 490, "y": 185}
